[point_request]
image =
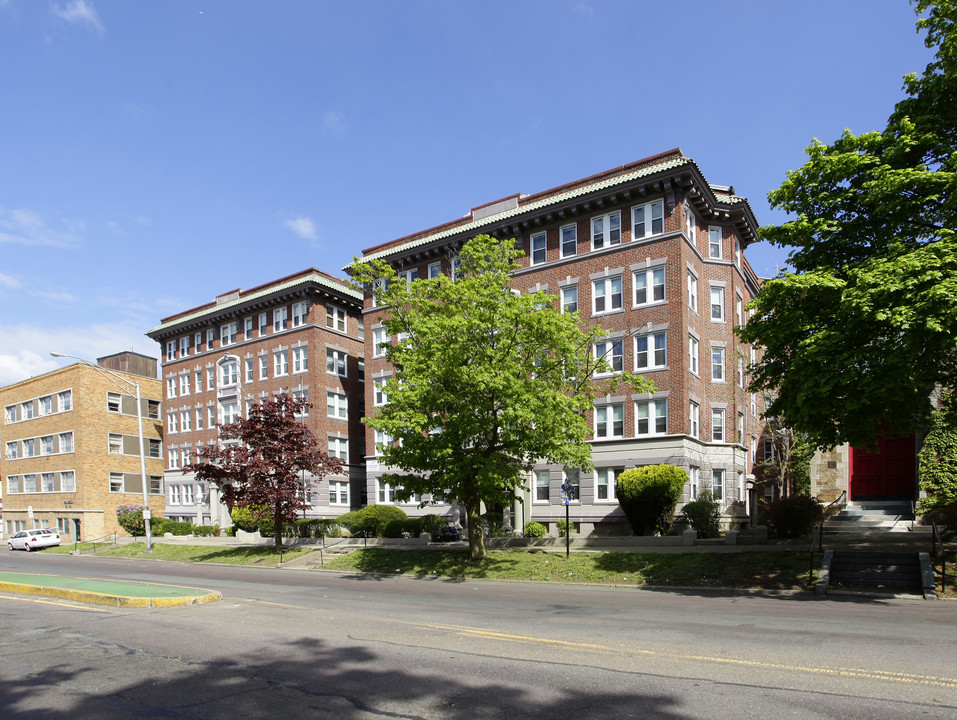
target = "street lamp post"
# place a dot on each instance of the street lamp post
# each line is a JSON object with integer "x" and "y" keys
{"x": 127, "y": 384}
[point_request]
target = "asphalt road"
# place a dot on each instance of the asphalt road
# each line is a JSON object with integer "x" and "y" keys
{"x": 286, "y": 643}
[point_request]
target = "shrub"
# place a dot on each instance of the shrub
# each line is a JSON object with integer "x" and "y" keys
{"x": 206, "y": 530}
{"x": 704, "y": 514}
{"x": 130, "y": 518}
{"x": 565, "y": 528}
{"x": 313, "y": 528}
{"x": 648, "y": 496}
{"x": 434, "y": 524}
{"x": 794, "y": 516}
{"x": 402, "y": 527}
{"x": 159, "y": 526}
{"x": 372, "y": 519}
{"x": 346, "y": 519}
{"x": 251, "y": 518}
{"x": 535, "y": 530}
{"x": 179, "y": 528}
{"x": 938, "y": 460}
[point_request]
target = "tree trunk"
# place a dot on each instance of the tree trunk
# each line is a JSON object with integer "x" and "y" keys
{"x": 473, "y": 510}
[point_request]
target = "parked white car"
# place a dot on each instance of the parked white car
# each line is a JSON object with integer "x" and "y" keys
{"x": 34, "y": 539}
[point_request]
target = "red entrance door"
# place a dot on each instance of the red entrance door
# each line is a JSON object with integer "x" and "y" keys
{"x": 887, "y": 473}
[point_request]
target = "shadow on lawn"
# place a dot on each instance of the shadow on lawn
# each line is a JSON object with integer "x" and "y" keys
{"x": 447, "y": 566}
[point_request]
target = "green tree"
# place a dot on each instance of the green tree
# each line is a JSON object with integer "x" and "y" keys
{"x": 648, "y": 496}
{"x": 264, "y": 468}
{"x": 486, "y": 382}
{"x": 865, "y": 327}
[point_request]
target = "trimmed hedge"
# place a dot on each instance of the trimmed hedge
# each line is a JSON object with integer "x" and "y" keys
{"x": 648, "y": 495}
{"x": 535, "y": 530}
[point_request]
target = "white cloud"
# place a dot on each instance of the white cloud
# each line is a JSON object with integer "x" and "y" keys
{"x": 79, "y": 12}
{"x": 8, "y": 281}
{"x": 25, "y": 350}
{"x": 26, "y": 227}
{"x": 585, "y": 9}
{"x": 304, "y": 227}
{"x": 333, "y": 124}
{"x": 60, "y": 297}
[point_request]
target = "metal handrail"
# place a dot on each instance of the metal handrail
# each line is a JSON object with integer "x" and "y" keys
{"x": 820, "y": 535}
{"x": 935, "y": 539}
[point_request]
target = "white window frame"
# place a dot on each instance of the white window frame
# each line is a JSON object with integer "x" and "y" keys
{"x": 227, "y": 334}
{"x": 569, "y": 299}
{"x": 718, "y": 486}
{"x": 654, "y": 415}
{"x": 651, "y": 352}
{"x": 336, "y": 317}
{"x": 339, "y": 448}
{"x": 694, "y": 419}
{"x": 605, "y": 290}
{"x": 714, "y": 242}
{"x": 605, "y": 479}
{"x": 300, "y": 312}
{"x": 605, "y": 230}
{"x": 280, "y": 363}
{"x": 435, "y": 269}
{"x": 691, "y": 223}
{"x": 263, "y": 324}
{"x": 718, "y": 371}
{"x": 380, "y": 397}
{"x": 538, "y": 248}
{"x": 718, "y": 425}
{"x": 694, "y": 478}
{"x": 717, "y": 303}
{"x": 651, "y": 281}
{"x": 693, "y": 355}
{"x": 693, "y": 291}
{"x": 640, "y": 216}
{"x": 542, "y": 480}
{"x": 337, "y": 362}
{"x": 337, "y": 405}
{"x": 280, "y": 319}
{"x": 568, "y": 240}
{"x": 339, "y": 493}
{"x": 380, "y": 340}
{"x": 613, "y": 351}
{"x": 300, "y": 359}
{"x": 607, "y": 424}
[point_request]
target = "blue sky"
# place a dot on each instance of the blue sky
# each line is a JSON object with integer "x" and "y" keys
{"x": 156, "y": 154}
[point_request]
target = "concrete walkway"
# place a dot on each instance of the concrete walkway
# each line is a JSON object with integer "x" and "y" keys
{"x": 104, "y": 592}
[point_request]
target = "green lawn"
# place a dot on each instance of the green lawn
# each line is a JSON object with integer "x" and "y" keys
{"x": 255, "y": 555}
{"x": 769, "y": 570}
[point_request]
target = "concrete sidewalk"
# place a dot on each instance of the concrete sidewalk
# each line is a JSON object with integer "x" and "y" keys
{"x": 104, "y": 592}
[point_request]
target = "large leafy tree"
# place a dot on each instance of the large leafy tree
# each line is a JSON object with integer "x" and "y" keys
{"x": 865, "y": 326}
{"x": 265, "y": 464}
{"x": 487, "y": 381}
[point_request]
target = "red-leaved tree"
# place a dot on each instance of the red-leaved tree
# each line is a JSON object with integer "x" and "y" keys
{"x": 264, "y": 466}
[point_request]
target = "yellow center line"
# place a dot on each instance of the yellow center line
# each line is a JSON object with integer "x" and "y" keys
{"x": 836, "y": 672}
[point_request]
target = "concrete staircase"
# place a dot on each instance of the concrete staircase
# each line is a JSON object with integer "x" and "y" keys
{"x": 877, "y": 547}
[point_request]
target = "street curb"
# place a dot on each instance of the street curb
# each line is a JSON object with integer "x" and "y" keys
{"x": 95, "y": 598}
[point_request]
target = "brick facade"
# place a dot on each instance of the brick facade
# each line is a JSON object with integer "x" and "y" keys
{"x": 613, "y": 233}
{"x": 301, "y": 335}
{"x": 77, "y": 458}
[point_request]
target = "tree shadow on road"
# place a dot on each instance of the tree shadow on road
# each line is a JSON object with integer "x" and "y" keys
{"x": 304, "y": 678}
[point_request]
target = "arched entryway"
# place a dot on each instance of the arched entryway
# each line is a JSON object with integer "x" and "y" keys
{"x": 887, "y": 472}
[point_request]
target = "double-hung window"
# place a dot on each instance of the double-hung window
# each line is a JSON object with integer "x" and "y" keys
{"x": 605, "y": 479}
{"x": 717, "y": 424}
{"x": 651, "y": 417}
{"x": 693, "y": 291}
{"x": 717, "y": 485}
{"x": 248, "y": 365}
{"x": 714, "y": 241}
{"x": 606, "y": 295}
{"x": 717, "y": 364}
{"x": 66, "y": 442}
{"x": 337, "y": 405}
{"x": 542, "y": 485}
{"x": 300, "y": 359}
{"x": 338, "y": 492}
{"x": 649, "y": 286}
{"x": 45, "y": 405}
{"x": 739, "y": 311}
{"x": 380, "y": 340}
{"x": 408, "y": 276}
{"x": 335, "y": 318}
{"x": 569, "y": 239}
{"x": 170, "y": 387}
{"x": 280, "y": 363}
{"x": 336, "y": 361}
{"x": 263, "y": 324}
{"x": 64, "y": 400}
{"x": 647, "y": 219}
{"x": 605, "y": 230}
{"x": 693, "y": 354}
{"x": 171, "y": 350}
{"x": 300, "y": 311}
{"x": 339, "y": 448}
{"x": 435, "y": 269}
{"x": 247, "y": 327}
{"x": 609, "y": 421}
{"x": 227, "y": 334}
{"x": 380, "y": 397}
{"x": 694, "y": 476}
{"x": 651, "y": 352}
{"x": 280, "y": 319}
{"x": 184, "y": 384}
{"x": 694, "y": 419}
{"x": 228, "y": 373}
{"x": 692, "y": 224}
{"x": 185, "y": 420}
{"x": 537, "y": 248}
{"x": 717, "y": 303}
{"x": 570, "y": 299}
{"x": 611, "y": 352}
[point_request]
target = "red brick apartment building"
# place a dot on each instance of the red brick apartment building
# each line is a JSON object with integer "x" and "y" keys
{"x": 654, "y": 253}
{"x": 302, "y": 334}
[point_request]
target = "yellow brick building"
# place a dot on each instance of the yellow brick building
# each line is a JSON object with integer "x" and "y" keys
{"x": 69, "y": 447}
